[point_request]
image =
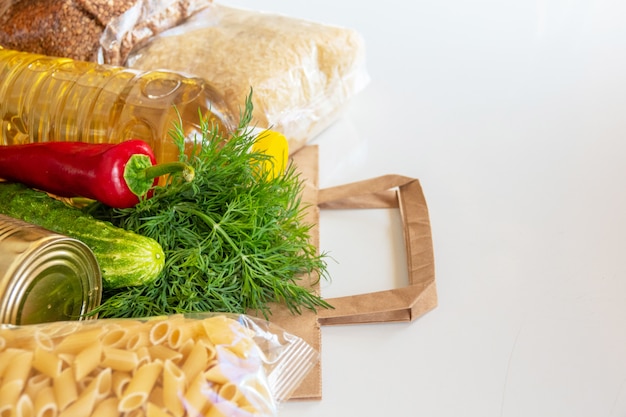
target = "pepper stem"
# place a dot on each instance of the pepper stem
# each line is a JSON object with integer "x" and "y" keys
{"x": 139, "y": 173}
{"x": 158, "y": 170}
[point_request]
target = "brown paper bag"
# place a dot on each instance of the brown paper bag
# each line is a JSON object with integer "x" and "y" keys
{"x": 306, "y": 325}
{"x": 400, "y": 304}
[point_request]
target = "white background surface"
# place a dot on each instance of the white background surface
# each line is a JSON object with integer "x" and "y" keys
{"x": 513, "y": 116}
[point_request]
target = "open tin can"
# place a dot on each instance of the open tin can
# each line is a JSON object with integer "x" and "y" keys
{"x": 45, "y": 276}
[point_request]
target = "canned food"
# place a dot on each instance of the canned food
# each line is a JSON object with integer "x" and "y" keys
{"x": 45, "y": 276}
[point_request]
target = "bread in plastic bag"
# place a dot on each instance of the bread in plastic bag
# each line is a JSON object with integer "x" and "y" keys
{"x": 302, "y": 73}
{"x": 73, "y": 28}
{"x": 146, "y": 19}
{"x": 182, "y": 365}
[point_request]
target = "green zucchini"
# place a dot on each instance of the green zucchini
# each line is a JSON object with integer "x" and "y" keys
{"x": 125, "y": 258}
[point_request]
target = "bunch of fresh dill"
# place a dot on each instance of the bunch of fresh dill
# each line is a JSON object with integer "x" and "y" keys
{"x": 235, "y": 239}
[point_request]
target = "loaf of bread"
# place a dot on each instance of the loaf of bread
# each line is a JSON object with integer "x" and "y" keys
{"x": 65, "y": 28}
{"x": 76, "y": 28}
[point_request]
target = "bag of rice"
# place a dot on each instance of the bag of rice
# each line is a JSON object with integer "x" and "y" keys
{"x": 301, "y": 73}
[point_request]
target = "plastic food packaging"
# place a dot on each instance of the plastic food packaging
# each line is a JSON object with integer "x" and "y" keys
{"x": 302, "y": 73}
{"x": 73, "y": 28}
{"x": 59, "y": 99}
{"x": 211, "y": 365}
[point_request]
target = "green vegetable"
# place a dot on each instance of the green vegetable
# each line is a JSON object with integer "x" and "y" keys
{"x": 125, "y": 258}
{"x": 234, "y": 237}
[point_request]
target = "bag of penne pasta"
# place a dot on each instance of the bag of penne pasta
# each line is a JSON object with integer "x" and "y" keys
{"x": 185, "y": 365}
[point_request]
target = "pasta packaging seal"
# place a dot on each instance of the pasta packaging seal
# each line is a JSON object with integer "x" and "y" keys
{"x": 204, "y": 364}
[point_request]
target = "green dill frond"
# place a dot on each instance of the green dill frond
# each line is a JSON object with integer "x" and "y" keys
{"x": 234, "y": 241}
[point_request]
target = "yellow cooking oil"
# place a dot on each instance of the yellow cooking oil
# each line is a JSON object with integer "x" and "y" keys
{"x": 46, "y": 98}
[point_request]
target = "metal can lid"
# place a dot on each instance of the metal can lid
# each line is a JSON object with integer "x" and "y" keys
{"x": 58, "y": 280}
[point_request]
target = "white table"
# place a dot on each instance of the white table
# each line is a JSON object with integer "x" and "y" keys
{"x": 513, "y": 116}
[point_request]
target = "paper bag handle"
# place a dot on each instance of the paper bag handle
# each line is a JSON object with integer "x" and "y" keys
{"x": 399, "y": 304}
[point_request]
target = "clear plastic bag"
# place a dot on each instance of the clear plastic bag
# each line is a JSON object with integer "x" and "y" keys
{"x": 183, "y": 365}
{"x": 302, "y": 73}
{"x": 139, "y": 24}
{"x": 74, "y": 28}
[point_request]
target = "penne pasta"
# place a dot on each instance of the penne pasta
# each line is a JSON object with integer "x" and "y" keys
{"x": 210, "y": 348}
{"x": 228, "y": 333}
{"x": 36, "y": 383}
{"x": 9, "y": 395}
{"x": 137, "y": 340}
{"x": 119, "y": 381}
{"x": 119, "y": 359}
{"x": 195, "y": 398}
{"x": 115, "y": 337}
{"x": 179, "y": 331}
{"x": 178, "y": 336}
{"x": 87, "y": 360}
{"x": 67, "y": 359}
{"x": 83, "y": 383}
{"x": 195, "y": 361}
{"x": 47, "y": 362}
{"x": 43, "y": 340}
{"x": 164, "y": 353}
{"x": 173, "y": 388}
{"x": 86, "y": 401}
{"x": 106, "y": 408}
{"x": 160, "y": 367}
{"x": 159, "y": 332}
{"x": 153, "y": 410}
{"x": 81, "y": 407}
{"x": 25, "y": 344}
{"x": 65, "y": 388}
{"x": 45, "y": 403}
{"x": 137, "y": 412}
{"x": 212, "y": 411}
{"x": 139, "y": 387}
{"x": 7, "y": 358}
{"x": 230, "y": 392}
{"x": 186, "y": 347}
{"x": 18, "y": 369}
{"x": 156, "y": 396}
{"x": 217, "y": 330}
{"x": 24, "y": 407}
{"x": 79, "y": 341}
{"x": 144, "y": 356}
{"x": 217, "y": 375}
{"x": 102, "y": 384}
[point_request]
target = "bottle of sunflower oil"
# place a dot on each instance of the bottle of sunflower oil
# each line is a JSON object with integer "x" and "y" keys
{"x": 59, "y": 99}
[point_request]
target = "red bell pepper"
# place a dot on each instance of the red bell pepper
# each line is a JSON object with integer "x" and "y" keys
{"x": 117, "y": 175}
